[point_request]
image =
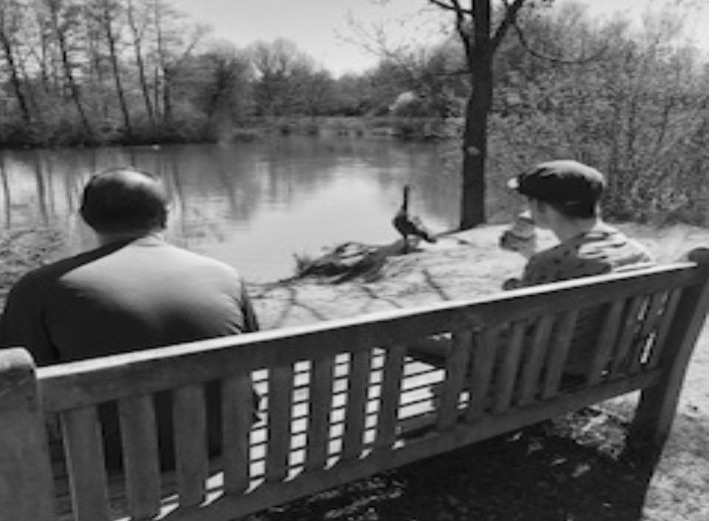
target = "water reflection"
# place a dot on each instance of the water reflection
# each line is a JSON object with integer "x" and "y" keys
{"x": 253, "y": 205}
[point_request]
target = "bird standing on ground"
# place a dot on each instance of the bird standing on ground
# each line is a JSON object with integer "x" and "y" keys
{"x": 408, "y": 225}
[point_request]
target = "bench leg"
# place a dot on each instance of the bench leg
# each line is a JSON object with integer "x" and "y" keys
{"x": 652, "y": 423}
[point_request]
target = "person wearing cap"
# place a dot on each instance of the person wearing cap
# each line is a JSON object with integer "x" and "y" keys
{"x": 563, "y": 196}
{"x": 135, "y": 291}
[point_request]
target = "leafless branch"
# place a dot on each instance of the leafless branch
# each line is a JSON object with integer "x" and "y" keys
{"x": 554, "y": 59}
{"x": 509, "y": 19}
{"x": 454, "y": 5}
{"x": 460, "y": 20}
{"x": 462, "y": 28}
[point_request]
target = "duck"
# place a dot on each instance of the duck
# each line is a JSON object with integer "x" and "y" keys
{"x": 410, "y": 225}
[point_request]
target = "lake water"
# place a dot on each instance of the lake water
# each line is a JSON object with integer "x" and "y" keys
{"x": 253, "y": 205}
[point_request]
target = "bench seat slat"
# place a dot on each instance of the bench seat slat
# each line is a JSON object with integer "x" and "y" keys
{"x": 81, "y": 433}
{"x": 141, "y": 455}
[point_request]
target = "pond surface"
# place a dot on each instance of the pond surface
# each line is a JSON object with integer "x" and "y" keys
{"x": 253, "y": 205}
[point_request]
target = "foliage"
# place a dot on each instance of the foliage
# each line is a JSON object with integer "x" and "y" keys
{"x": 639, "y": 112}
{"x": 633, "y": 102}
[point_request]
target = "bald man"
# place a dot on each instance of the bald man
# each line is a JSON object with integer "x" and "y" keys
{"x": 135, "y": 291}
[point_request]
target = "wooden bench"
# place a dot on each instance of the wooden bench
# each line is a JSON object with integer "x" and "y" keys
{"x": 341, "y": 400}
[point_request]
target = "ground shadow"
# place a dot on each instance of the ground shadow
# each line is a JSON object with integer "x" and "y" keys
{"x": 568, "y": 470}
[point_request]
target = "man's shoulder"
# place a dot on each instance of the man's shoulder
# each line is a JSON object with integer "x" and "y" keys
{"x": 53, "y": 271}
{"x": 196, "y": 260}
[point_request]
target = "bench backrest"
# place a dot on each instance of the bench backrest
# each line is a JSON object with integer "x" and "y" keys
{"x": 338, "y": 397}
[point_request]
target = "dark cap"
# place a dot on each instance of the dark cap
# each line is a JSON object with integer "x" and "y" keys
{"x": 565, "y": 182}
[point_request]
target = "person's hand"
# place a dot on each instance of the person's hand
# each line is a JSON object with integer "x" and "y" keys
{"x": 526, "y": 246}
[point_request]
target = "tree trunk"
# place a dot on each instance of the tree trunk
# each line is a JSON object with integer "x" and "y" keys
{"x": 138, "y": 54}
{"x": 7, "y": 48}
{"x": 475, "y": 139}
{"x": 14, "y": 76}
{"x": 163, "y": 92}
{"x": 115, "y": 69}
{"x": 167, "y": 97}
{"x": 67, "y": 66}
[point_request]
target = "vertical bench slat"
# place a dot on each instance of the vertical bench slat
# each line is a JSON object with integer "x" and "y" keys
{"x": 280, "y": 389}
{"x": 482, "y": 368}
{"x": 509, "y": 367}
{"x": 85, "y": 462}
{"x": 633, "y": 315}
{"x": 606, "y": 341}
{"x": 456, "y": 366}
{"x": 357, "y": 393}
{"x": 237, "y": 403}
{"x": 393, "y": 376}
{"x": 321, "y": 387}
{"x": 535, "y": 357}
{"x": 652, "y": 316}
{"x": 565, "y": 325}
{"x": 190, "y": 437}
{"x": 663, "y": 328}
{"x": 141, "y": 455}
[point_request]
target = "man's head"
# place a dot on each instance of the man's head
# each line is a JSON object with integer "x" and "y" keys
{"x": 124, "y": 201}
{"x": 570, "y": 187}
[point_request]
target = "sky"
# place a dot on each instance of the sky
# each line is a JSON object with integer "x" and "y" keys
{"x": 323, "y": 30}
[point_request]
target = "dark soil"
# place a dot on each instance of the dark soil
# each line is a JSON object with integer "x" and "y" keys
{"x": 570, "y": 470}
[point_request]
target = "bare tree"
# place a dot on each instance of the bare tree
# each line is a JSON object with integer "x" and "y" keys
{"x": 105, "y": 14}
{"x": 138, "y": 29}
{"x": 9, "y": 27}
{"x": 174, "y": 44}
{"x": 480, "y": 38}
{"x": 63, "y": 17}
{"x": 279, "y": 67}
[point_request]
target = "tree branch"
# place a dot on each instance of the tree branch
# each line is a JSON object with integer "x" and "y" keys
{"x": 460, "y": 23}
{"x": 554, "y": 59}
{"x": 461, "y": 28}
{"x": 509, "y": 19}
{"x": 453, "y": 6}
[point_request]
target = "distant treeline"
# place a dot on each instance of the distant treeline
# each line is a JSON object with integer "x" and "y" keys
{"x": 633, "y": 102}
